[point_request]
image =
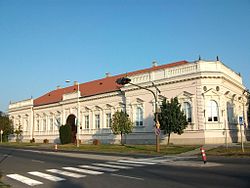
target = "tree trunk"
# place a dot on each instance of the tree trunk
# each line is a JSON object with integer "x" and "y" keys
{"x": 122, "y": 139}
{"x": 168, "y": 139}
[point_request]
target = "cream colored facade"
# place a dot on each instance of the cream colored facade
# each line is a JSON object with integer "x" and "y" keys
{"x": 212, "y": 92}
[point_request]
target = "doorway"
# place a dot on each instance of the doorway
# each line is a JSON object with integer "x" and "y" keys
{"x": 71, "y": 121}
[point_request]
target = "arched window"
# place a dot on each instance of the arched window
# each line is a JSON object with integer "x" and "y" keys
{"x": 139, "y": 116}
{"x": 212, "y": 111}
{"x": 187, "y": 111}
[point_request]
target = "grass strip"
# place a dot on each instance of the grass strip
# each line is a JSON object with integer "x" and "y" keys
{"x": 110, "y": 148}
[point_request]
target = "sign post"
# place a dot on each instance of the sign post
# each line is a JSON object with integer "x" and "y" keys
{"x": 241, "y": 122}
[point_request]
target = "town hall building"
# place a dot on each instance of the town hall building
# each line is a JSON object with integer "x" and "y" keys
{"x": 212, "y": 96}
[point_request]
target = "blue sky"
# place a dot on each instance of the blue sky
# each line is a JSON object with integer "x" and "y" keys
{"x": 45, "y": 42}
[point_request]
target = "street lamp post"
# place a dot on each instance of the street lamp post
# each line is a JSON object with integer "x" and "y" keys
{"x": 1, "y": 135}
{"x": 124, "y": 81}
{"x": 78, "y": 115}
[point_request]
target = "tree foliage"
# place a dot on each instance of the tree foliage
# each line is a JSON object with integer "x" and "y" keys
{"x": 172, "y": 119}
{"x": 121, "y": 124}
{"x": 65, "y": 134}
{"x": 6, "y": 125}
{"x": 18, "y": 133}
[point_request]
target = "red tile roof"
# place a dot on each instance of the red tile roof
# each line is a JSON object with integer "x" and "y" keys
{"x": 95, "y": 87}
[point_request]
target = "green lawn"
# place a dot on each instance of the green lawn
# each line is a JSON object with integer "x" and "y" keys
{"x": 231, "y": 151}
{"x": 111, "y": 148}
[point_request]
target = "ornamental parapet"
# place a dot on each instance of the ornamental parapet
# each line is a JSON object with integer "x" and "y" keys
{"x": 187, "y": 69}
{"x": 21, "y": 104}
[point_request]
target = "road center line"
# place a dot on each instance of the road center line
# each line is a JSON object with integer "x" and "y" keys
{"x": 130, "y": 177}
{"x": 37, "y": 161}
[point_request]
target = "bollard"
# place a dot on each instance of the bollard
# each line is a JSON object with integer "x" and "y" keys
{"x": 55, "y": 147}
{"x": 203, "y": 155}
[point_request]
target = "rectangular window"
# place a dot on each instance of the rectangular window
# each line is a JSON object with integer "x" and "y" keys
{"x": 139, "y": 117}
{"x": 44, "y": 124}
{"x": 108, "y": 120}
{"x": 26, "y": 125}
{"x": 58, "y": 122}
{"x": 97, "y": 121}
{"x": 37, "y": 125}
{"x": 87, "y": 122}
{"x": 51, "y": 124}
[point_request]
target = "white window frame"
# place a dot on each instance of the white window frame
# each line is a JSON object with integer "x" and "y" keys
{"x": 187, "y": 108}
{"x": 139, "y": 116}
{"x": 44, "y": 124}
{"x": 97, "y": 121}
{"x": 51, "y": 124}
{"x": 212, "y": 111}
{"x": 108, "y": 120}
{"x": 86, "y": 121}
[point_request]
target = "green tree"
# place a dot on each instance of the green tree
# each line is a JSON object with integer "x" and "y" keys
{"x": 6, "y": 125}
{"x": 121, "y": 124}
{"x": 19, "y": 133}
{"x": 65, "y": 134}
{"x": 172, "y": 119}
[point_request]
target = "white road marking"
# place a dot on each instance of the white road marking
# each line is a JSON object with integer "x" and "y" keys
{"x": 98, "y": 168}
{"x": 126, "y": 164}
{"x": 137, "y": 162}
{"x": 130, "y": 177}
{"x": 65, "y": 173}
{"x": 25, "y": 180}
{"x": 92, "y": 172}
{"x": 46, "y": 176}
{"x": 7, "y": 155}
{"x": 112, "y": 166}
{"x": 37, "y": 161}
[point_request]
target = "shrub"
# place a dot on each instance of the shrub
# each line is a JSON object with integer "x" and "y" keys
{"x": 96, "y": 142}
{"x": 65, "y": 134}
{"x": 32, "y": 140}
{"x": 45, "y": 141}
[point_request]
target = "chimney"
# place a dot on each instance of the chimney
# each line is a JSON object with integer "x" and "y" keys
{"x": 107, "y": 74}
{"x": 154, "y": 63}
{"x": 75, "y": 83}
{"x": 58, "y": 87}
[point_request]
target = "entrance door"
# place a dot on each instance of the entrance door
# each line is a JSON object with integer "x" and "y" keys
{"x": 71, "y": 121}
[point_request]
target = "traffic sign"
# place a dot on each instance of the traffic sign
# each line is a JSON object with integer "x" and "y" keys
{"x": 241, "y": 120}
{"x": 157, "y": 131}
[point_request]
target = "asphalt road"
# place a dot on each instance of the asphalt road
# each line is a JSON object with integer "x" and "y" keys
{"x": 23, "y": 168}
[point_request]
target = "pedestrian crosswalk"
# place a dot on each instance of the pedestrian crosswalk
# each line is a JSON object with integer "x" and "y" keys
{"x": 79, "y": 171}
{"x": 25, "y": 180}
{"x": 46, "y": 176}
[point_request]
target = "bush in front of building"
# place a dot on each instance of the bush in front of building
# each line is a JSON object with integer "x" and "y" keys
{"x": 96, "y": 142}
{"x": 32, "y": 140}
{"x": 46, "y": 141}
{"x": 65, "y": 134}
